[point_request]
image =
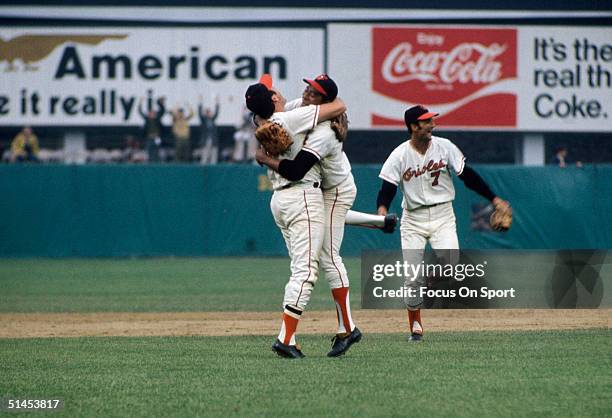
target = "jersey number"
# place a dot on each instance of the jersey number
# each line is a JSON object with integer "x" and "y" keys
{"x": 435, "y": 175}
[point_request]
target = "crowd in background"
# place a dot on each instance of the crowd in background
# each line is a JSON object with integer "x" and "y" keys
{"x": 24, "y": 147}
{"x": 204, "y": 142}
{"x": 179, "y": 142}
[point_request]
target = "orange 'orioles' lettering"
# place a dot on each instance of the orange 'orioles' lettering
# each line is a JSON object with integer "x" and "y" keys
{"x": 431, "y": 166}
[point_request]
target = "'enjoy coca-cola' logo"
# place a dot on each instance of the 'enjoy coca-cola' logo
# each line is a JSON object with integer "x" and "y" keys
{"x": 465, "y": 63}
{"x": 440, "y": 65}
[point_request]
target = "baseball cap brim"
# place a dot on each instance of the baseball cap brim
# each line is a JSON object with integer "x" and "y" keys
{"x": 428, "y": 115}
{"x": 266, "y": 80}
{"x": 315, "y": 86}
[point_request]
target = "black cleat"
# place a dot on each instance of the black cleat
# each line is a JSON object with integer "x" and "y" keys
{"x": 286, "y": 351}
{"x": 390, "y": 223}
{"x": 416, "y": 337}
{"x": 342, "y": 344}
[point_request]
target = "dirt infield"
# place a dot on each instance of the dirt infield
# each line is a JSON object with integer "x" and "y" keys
{"x": 22, "y": 325}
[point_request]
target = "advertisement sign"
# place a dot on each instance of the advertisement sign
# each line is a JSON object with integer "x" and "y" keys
{"x": 506, "y": 78}
{"x": 102, "y": 76}
{"x": 458, "y": 72}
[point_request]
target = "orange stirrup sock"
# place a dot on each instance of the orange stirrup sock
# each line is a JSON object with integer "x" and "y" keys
{"x": 414, "y": 319}
{"x": 343, "y": 310}
{"x": 291, "y": 318}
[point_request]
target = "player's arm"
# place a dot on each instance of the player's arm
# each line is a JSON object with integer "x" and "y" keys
{"x": 473, "y": 181}
{"x": 390, "y": 174}
{"x": 331, "y": 110}
{"x": 293, "y": 104}
{"x": 306, "y": 118}
{"x": 292, "y": 170}
{"x": 385, "y": 197}
{"x": 161, "y": 104}
{"x": 501, "y": 218}
{"x": 316, "y": 148}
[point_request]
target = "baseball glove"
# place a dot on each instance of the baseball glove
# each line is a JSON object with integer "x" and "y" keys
{"x": 339, "y": 125}
{"x": 501, "y": 218}
{"x": 390, "y": 223}
{"x": 273, "y": 138}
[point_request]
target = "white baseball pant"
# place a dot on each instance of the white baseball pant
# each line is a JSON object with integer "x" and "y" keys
{"x": 299, "y": 214}
{"x": 337, "y": 201}
{"x": 435, "y": 224}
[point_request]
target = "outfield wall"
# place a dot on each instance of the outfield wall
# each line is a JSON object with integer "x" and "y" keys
{"x": 109, "y": 211}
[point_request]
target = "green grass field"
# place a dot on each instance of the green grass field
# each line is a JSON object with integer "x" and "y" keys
{"x": 153, "y": 285}
{"x": 543, "y": 373}
{"x": 451, "y": 374}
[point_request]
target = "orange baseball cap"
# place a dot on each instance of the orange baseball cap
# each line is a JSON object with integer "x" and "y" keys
{"x": 416, "y": 113}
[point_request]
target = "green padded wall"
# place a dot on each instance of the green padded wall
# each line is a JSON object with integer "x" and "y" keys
{"x": 160, "y": 210}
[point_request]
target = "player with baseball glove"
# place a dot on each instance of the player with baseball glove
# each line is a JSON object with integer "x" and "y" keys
{"x": 323, "y": 147}
{"x": 297, "y": 204}
{"x": 422, "y": 168}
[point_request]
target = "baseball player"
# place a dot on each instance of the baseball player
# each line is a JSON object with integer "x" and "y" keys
{"x": 324, "y": 146}
{"x": 297, "y": 205}
{"x": 421, "y": 167}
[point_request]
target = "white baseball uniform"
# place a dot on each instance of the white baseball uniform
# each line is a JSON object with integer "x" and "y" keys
{"x": 339, "y": 192}
{"x": 297, "y": 208}
{"x": 428, "y": 192}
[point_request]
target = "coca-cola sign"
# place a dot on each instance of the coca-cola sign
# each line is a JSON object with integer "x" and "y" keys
{"x": 465, "y": 74}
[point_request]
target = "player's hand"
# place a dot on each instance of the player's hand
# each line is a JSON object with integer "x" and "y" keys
{"x": 261, "y": 156}
{"x": 390, "y": 223}
{"x": 501, "y": 218}
{"x": 501, "y": 204}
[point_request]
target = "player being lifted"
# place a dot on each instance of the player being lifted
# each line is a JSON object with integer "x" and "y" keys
{"x": 294, "y": 168}
{"x": 421, "y": 168}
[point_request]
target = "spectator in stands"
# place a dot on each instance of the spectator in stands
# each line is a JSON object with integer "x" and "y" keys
{"x": 25, "y": 146}
{"x": 561, "y": 158}
{"x": 153, "y": 128}
{"x": 244, "y": 138}
{"x": 181, "y": 132}
{"x": 209, "y": 134}
{"x": 132, "y": 152}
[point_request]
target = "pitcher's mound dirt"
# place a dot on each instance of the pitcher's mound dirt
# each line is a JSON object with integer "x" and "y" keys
{"x": 22, "y": 325}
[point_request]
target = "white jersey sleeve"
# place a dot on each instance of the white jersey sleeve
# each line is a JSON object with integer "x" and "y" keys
{"x": 299, "y": 120}
{"x": 456, "y": 159}
{"x": 318, "y": 141}
{"x": 392, "y": 168}
{"x": 293, "y": 104}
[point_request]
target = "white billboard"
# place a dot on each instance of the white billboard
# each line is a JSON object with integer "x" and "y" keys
{"x": 100, "y": 76}
{"x": 528, "y": 78}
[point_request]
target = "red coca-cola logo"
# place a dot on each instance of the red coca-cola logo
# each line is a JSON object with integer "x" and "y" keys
{"x": 459, "y": 69}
